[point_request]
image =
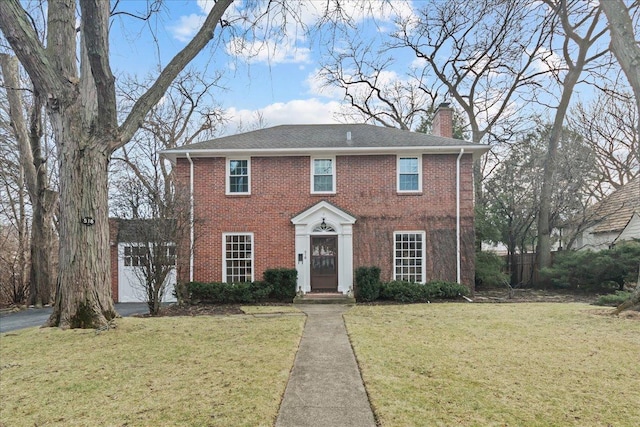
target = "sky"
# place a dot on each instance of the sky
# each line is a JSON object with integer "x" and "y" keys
{"x": 276, "y": 81}
{"x": 273, "y": 78}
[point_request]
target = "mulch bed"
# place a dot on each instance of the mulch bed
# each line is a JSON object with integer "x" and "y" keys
{"x": 533, "y": 295}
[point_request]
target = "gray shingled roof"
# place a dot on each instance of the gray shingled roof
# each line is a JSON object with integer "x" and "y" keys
{"x": 301, "y": 138}
{"x": 616, "y": 210}
{"x": 139, "y": 230}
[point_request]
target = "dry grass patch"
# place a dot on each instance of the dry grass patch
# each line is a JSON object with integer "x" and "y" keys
{"x": 498, "y": 364}
{"x": 187, "y": 371}
{"x": 270, "y": 309}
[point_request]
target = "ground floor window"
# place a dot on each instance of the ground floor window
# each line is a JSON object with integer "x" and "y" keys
{"x": 408, "y": 256}
{"x": 237, "y": 257}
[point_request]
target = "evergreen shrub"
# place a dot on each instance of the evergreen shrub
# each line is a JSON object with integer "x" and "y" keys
{"x": 411, "y": 292}
{"x": 227, "y": 293}
{"x": 367, "y": 283}
{"x": 603, "y": 271}
{"x": 283, "y": 283}
{"x": 490, "y": 270}
{"x": 613, "y": 300}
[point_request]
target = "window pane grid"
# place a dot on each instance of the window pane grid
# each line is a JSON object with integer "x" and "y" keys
{"x": 408, "y": 174}
{"x": 238, "y": 258}
{"x": 137, "y": 256}
{"x": 323, "y": 175}
{"x": 238, "y": 176}
{"x": 408, "y": 257}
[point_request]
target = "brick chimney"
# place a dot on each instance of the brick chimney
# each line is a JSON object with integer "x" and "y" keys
{"x": 443, "y": 121}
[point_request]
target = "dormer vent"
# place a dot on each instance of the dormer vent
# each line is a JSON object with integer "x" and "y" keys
{"x": 348, "y": 136}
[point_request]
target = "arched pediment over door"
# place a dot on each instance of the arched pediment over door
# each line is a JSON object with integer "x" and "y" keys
{"x": 324, "y": 241}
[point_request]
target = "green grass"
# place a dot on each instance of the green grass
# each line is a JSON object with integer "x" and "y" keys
{"x": 498, "y": 364}
{"x": 186, "y": 371}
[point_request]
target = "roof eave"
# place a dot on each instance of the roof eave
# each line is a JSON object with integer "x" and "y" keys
{"x": 476, "y": 150}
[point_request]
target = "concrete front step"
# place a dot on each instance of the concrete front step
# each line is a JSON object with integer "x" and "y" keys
{"x": 324, "y": 298}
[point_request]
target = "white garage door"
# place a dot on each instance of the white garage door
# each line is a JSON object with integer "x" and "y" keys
{"x": 131, "y": 282}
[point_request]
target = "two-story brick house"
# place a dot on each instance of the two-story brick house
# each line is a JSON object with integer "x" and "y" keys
{"x": 327, "y": 199}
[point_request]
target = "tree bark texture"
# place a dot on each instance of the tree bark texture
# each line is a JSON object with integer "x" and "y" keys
{"x": 623, "y": 44}
{"x": 83, "y": 294}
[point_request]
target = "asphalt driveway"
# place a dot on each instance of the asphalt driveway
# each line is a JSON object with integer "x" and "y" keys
{"x": 37, "y": 316}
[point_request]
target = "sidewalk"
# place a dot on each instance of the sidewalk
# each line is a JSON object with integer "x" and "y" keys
{"x": 325, "y": 387}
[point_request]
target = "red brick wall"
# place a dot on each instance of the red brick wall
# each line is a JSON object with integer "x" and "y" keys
{"x": 366, "y": 188}
{"x": 113, "y": 249}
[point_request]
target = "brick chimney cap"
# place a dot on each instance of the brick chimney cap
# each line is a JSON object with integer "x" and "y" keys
{"x": 444, "y": 105}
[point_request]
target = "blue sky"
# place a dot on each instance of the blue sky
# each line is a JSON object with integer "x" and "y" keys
{"x": 274, "y": 77}
{"x": 279, "y": 82}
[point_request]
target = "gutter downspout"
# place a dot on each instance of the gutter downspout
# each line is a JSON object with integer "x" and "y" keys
{"x": 191, "y": 231}
{"x": 458, "y": 268}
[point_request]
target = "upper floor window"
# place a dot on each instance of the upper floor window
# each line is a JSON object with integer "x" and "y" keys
{"x": 238, "y": 176}
{"x": 409, "y": 174}
{"x": 323, "y": 175}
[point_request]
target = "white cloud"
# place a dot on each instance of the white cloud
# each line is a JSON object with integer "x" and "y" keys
{"x": 548, "y": 61}
{"x": 269, "y": 51}
{"x": 187, "y": 26}
{"x": 206, "y": 5}
{"x": 317, "y": 86}
{"x": 297, "y": 111}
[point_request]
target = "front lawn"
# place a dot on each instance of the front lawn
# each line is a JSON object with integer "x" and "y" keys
{"x": 171, "y": 371}
{"x": 498, "y": 364}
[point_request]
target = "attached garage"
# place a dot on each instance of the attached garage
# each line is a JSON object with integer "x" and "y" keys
{"x": 129, "y": 254}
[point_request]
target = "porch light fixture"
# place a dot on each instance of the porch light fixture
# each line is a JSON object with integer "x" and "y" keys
{"x": 323, "y": 225}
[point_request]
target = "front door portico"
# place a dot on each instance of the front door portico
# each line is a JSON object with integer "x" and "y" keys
{"x": 324, "y": 249}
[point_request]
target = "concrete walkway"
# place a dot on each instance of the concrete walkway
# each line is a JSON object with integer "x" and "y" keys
{"x": 325, "y": 387}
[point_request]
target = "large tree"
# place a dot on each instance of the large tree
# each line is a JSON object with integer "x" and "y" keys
{"x": 484, "y": 55}
{"x": 33, "y": 161}
{"x": 81, "y": 104}
{"x": 581, "y": 31}
{"x": 513, "y": 189}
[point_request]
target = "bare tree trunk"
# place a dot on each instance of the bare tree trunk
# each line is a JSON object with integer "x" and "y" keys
{"x": 42, "y": 248}
{"x": 34, "y": 166}
{"x": 575, "y": 67}
{"x": 22, "y": 234}
{"x": 83, "y": 294}
{"x": 623, "y": 44}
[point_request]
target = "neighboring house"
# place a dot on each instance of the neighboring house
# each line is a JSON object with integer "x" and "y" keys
{"x": 128, "y": 254}
{"x": 614, "y": 219}
{"x": 326, "y": 199}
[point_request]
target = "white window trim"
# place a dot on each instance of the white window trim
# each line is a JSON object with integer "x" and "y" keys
{"x": 424, "y": 251}
{"x": 224, "y": 253}
{"x": 228, "y": 172}
{"x": 333, "y": 176}
{"x": 409, "y": 156}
